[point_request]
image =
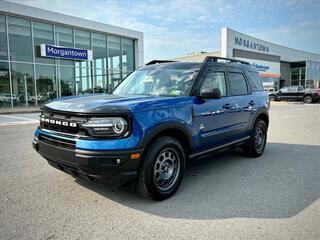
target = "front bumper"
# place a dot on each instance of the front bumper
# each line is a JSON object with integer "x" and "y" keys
{"x": 112, "y": 166}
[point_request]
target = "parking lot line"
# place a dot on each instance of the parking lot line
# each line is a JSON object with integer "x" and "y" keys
{"x": 18, "y": 119}
{"x": 15, "y": 117}
{"x": 18, "y": 123}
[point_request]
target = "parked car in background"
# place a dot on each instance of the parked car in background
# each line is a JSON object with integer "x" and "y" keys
{"x": 295, "y": 93}
{"x": 15, "y": 99}
{"x": 31, "y": 98}
{"x": 6, "y": 98}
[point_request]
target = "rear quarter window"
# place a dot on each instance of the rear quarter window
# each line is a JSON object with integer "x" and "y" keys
{"x": 254, "y": 80}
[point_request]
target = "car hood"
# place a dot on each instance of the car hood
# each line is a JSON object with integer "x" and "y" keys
{"x": 112, "y": 104}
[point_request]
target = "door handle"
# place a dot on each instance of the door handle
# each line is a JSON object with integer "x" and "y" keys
{"x": 251, "y": 103}
{"x": 227, "y": 106}
{"x": 231, "y": 107}
{"x": 249, "y": 107}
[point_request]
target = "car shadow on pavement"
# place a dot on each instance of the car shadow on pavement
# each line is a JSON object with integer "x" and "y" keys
{"x": 279, "y": 184}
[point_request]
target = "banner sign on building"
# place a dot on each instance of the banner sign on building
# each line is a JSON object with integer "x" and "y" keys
{"x": 64, "y": 52}
{"x": 265, "y": 68}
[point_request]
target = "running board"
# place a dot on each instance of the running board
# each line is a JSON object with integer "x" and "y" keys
{"x": 219, "y": 147}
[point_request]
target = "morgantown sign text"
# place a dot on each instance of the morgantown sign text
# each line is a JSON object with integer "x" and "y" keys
{"x": 249, "y": 44}
{"x": 64, "y": 52}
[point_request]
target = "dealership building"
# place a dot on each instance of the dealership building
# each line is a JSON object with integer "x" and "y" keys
{"x": 44, "y": 55}
{"x": 278, "y": 66}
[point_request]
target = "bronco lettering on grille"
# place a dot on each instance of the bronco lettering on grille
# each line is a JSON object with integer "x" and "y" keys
{"x": 58, "y": 122}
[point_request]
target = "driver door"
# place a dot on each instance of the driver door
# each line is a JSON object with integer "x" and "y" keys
{"x": 283, "y": 93}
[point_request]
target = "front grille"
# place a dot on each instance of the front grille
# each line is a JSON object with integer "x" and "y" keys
{"x": 59, "y": 142}
{"x": 64, "y": 129}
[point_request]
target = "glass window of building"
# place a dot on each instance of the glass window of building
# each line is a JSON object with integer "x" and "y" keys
{"x": 83, "y": 74}
{"x": 83, "y": 81}
{"x": 67, "y": 80}
{"x": 99, "y": 48}
{"x": 5, "y": 95}
{"x": 312, "y": 74}
{"x": 23, "y": 87}
{"x": 64, "y": 38}
{"x": 3, "y": 39}
{"x": 114, "y": 61}
{"x": 42, "y": 34}
{"x": 100, "y": 80}
{"x": 298, "y": 76}
{"x": 114, "y": 79}
{"x": 46, "y": 83}
{"x": 114, "y": 53}
{"x": 127, "y": 55}
{"x": 20, "y": 39}
{"x": 303, "y": 73}
{"x": 82, "y": 39}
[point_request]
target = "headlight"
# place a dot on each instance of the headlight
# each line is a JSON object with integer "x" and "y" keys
{"x": 109, "y": 127}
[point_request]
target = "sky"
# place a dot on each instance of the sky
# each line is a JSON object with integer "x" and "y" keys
{"x": 174, "y": 28}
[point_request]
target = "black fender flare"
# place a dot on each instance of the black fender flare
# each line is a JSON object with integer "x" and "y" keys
{"x": 261, "y": 111}
{"x": 180, "y": 126}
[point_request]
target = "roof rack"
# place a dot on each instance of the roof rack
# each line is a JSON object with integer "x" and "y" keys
{"x": 231, "y": 60}
{"x": 158, "y": 61}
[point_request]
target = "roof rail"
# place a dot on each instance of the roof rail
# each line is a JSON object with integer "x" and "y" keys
{"x": 158, "y": 61}
{"x": 231, "y": 60}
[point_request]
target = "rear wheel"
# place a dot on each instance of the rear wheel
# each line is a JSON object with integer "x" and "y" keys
{"x": 161, "y": 169}
{"x": 307, "y": 99}
{"x": 257, "y": 143}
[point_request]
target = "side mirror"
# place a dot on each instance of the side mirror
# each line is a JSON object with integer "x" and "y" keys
{"x": 210, "y": 93}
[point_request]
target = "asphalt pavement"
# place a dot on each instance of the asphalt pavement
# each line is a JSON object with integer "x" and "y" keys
{"x": 228, "y": 196}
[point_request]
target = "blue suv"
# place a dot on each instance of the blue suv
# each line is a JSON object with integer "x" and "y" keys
{"x": 154, "y": 121}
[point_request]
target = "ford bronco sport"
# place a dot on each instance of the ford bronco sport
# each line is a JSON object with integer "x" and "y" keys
{"x": 156, "y": 119}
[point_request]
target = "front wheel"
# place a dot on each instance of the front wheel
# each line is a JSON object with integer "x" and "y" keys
{"x": 161, "y": 169}
{"x": 258, "y": 140}
{"x": 307, "y": 99}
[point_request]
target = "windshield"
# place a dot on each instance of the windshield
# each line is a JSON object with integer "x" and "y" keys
{"x": 159, "y": 81}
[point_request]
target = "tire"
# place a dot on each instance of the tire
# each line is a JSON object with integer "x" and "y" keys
{"x": 272, "y": 98}
{"x": 307, "y": 99}
{"x": 162, "y": 168}
{"x": 258, "y": 140}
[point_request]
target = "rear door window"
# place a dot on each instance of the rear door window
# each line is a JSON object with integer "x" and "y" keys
{"x": 238, "y": 84}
